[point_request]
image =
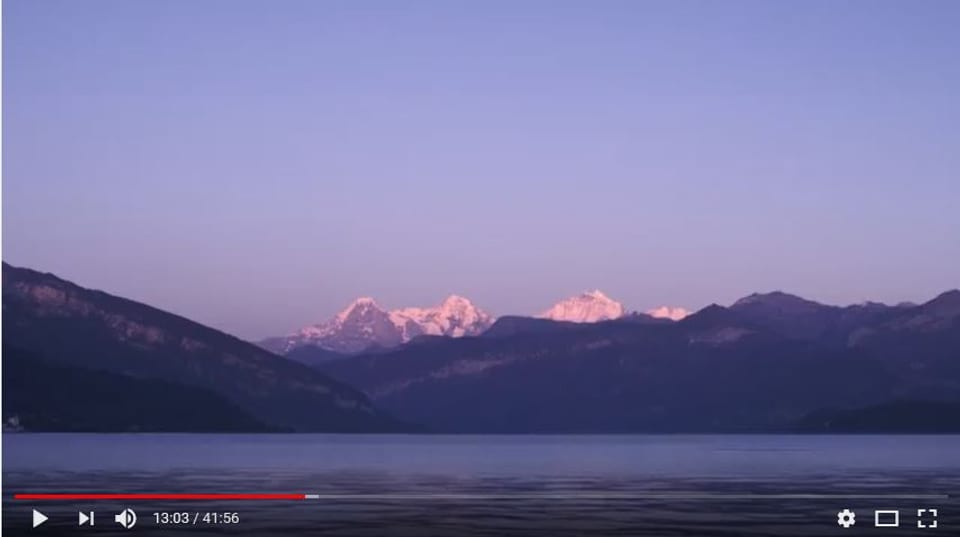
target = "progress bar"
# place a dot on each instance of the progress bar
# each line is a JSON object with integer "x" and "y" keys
{"x": 477, "y": 496}
{"x": 152, "y": 496}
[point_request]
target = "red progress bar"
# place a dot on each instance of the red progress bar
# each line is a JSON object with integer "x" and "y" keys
{"x": 159, "y": 496}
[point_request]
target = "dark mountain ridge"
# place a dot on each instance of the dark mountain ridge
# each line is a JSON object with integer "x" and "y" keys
{"x": 79, "y": 327}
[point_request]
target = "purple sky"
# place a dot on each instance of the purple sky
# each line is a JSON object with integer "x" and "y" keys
{"x": 256, "y": 165}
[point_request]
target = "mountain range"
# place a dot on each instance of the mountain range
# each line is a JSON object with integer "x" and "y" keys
{"x": 769, "y": 362}
{"x": 364, "y": 326}
{"x": 77, "y": 359}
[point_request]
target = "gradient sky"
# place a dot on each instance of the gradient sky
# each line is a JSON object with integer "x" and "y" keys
{"x": 254, "y": 165}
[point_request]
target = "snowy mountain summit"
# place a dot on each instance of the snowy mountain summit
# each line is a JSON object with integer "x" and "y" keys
{"x": 674, "y": 313}
{"x": 455, "y": 316}
{"x": 589, "y": 307}
{"x": 364, "y": 324}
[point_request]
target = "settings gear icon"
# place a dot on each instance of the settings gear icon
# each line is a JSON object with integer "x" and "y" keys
{"x": 846, "y": 518}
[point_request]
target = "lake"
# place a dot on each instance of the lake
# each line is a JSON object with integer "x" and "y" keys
{"x": 384, "y": 485}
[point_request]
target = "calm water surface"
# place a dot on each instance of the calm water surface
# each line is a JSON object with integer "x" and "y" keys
{"x": 493, "y": 485}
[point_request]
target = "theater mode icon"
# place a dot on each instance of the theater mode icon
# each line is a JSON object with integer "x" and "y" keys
{"x": 886, "y": 518}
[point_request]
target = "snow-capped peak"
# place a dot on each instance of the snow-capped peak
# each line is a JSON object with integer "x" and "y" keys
{"x": 455, "y": 306}
{"x": 674, "y": 313}
{"x": 364, "y": 323}
{"x": 456, "y": 301}
{"x": 361, "y": 304}
{"x": 588, "y": 307}
{"x": 455, "y": 316}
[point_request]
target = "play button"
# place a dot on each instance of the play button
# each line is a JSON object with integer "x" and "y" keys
{"x": 38, "y": 518}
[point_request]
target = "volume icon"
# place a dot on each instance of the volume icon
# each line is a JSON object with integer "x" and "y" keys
{"x": 85, "y": 518}
{"x": 126, "y": 518}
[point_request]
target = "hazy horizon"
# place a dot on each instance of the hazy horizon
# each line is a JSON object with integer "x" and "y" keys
{"x": 256, "y": 166}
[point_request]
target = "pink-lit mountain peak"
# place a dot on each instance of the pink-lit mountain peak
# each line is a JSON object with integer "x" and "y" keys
{"x": 587, "y": 307}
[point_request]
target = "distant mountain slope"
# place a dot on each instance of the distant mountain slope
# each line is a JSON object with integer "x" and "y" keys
{"x": 313, "y": 355}
{"x": 364, "y": 325}
{"x": 91, "y": 329}
{"x": 513, "y": 325}
{"x": 755, "y": 366}
{"x": 799, "y": 318}
{"x": 41, "y": 396}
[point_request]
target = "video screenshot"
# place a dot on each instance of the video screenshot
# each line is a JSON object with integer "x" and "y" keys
{"x": 481, "y": 268}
